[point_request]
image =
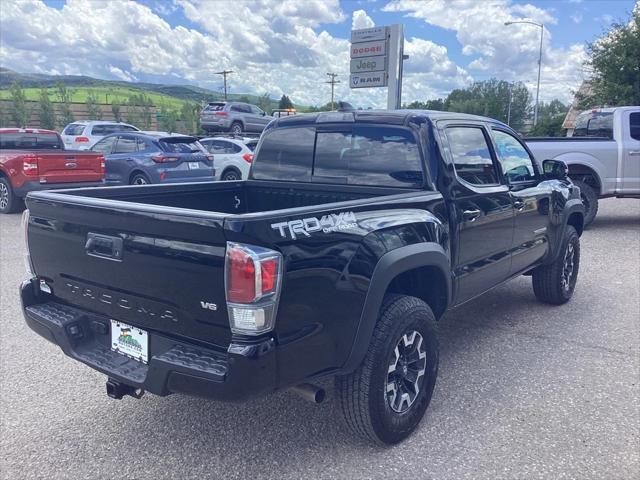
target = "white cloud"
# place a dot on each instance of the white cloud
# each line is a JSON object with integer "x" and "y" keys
{"x": 121, "y": 74}
{"x": 506, "y": 52}
{"x": 576, "y": 17}
{"x": 273, "y": 46}
{"x": 360, "y": 19}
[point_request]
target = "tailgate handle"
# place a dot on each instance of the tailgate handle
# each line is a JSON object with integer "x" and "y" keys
{"x": 104, "y": 246}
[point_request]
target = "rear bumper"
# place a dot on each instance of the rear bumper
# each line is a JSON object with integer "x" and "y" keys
{"x": 27, "y": 187}
{"x": 175, "y": 366}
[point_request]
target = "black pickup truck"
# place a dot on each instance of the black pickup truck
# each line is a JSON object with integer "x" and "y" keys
{"x": 354, "y": 234}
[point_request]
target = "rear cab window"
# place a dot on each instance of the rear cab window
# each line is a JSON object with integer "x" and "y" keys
{"x": 360, "y": 154}
{"x": 594, "y": 124}
{"x": 30, "y": 141}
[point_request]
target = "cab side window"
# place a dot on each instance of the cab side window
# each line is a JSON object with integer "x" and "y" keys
{"x": 471, "y": 155}
{"x": 515, "y": 161}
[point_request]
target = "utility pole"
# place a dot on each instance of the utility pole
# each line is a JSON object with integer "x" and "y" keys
{"x": 333, "y": 82}
{"x": 224, "y": 73}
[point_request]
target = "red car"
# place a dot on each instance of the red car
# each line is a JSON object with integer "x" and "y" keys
{"x": 34, "y": 159}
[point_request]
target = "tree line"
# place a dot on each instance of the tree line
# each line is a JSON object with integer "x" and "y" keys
{"x": 139, "y": 110}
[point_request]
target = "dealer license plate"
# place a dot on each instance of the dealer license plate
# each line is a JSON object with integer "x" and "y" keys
{"x": 193, "y": 165}
{"x": 132, "y": 342}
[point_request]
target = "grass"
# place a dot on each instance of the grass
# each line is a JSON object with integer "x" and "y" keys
{"x": 106, "y": 95}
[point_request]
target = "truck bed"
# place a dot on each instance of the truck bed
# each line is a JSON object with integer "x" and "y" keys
{"x": 248, "y": 197}
{"x": 172, "y": 244}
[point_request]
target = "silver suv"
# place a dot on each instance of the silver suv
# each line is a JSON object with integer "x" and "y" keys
{"x": 234, "y": 117}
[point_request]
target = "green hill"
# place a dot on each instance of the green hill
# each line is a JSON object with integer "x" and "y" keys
{"x": 168, "y": 96}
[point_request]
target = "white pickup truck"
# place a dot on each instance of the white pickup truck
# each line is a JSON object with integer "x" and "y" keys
{"x": 603, "y": 154}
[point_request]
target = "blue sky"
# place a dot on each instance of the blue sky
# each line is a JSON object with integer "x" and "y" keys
{"x": 287, "y": 46}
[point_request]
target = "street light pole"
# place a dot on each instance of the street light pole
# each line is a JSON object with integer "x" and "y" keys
{"x": 541, "y": 25}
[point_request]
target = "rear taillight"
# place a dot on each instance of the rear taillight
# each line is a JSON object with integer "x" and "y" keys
{"x": 248, "y": 157}
{"x": 164, "y": 158}
{"x": 27, "y": 257}
{"x": 82, "y": 140}
{"x": 210, "y": 158}
{"x": 102, "y": 165}
{"x": 30, "y": 165}
{"x": 252, "y": 278}
{"x": 222, "y": 114}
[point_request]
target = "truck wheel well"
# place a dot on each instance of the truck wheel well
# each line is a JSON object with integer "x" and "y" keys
{"x": 576, "y": 220}
{"x": 586, "y": 175}
{"x": 425, "y": 283}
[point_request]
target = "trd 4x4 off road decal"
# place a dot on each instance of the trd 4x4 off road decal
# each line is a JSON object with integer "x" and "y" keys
{"x": 333, "y": 222}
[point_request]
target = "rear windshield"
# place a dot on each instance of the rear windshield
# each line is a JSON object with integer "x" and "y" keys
{"x": 214, "y": 107}
{"x": 594, "y": 124}
{"x": 73, "y": 129}
{"x": 30, "y": 141}
{"x": 187, "y": 146}
{"x": 251, "y": 145}
{"x": 356, "y": 155}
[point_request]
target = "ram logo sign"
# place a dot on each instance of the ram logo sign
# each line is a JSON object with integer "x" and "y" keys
{"x": 334, "y": 222}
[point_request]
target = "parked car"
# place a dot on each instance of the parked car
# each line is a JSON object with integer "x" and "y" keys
{"x": 234, "y": 117}
{"x": 603, "y": 154}
{"x": 233, "y": 156}
{"x": 355, "y": 232}
{"x": 141, "y": 158}
{"x": 84, "y": 134}
{"x": 35, "y": 159}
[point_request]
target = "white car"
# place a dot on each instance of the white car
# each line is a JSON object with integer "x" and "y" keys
{"x": 232, "y": 156}
{"x": 84, "y": 134}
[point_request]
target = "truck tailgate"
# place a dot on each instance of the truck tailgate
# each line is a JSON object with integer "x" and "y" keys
{"x": 70, "y": 166}
{"x": 134, "y": 264}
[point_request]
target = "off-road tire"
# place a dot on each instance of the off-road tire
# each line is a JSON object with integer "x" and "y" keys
{"x": 9, "y": 201}
{"x": 589, "y": 199}
{"x": 548, "y": 284}
{"x": 362, "y": 395}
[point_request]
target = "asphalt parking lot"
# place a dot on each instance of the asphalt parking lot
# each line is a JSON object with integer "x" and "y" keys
{"x": 525, "y": 390}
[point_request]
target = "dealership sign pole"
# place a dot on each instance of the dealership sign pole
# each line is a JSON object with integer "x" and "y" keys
{"x": 376, "y": 60}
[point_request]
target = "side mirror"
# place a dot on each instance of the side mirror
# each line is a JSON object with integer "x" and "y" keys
{"x": 263, "y": 113}
{"x": 555, "y": 170}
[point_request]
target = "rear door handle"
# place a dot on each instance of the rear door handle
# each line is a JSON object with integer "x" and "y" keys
{"x": 471, "y": 215}
{"x": 634, "y": 152}
{"x": 518, "y": 204}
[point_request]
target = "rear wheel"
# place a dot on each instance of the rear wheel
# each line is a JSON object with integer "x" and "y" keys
{"x": 589, "y": 199}
{"x": 555, "y": 283}
{"x": 386, "y": 397}
{"x": 236, "y": 128}
{"x": 231, "y": 175}
{"x": 9, "y": 201}
{"x": 139, "y": 179}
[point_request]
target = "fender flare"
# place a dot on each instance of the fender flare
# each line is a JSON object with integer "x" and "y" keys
{"x": 572, "y": 206}
{"x": 584, "y": 160}
{"x": 390, "y": 265}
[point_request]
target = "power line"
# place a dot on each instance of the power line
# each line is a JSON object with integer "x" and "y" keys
{"x": 224, "y": 73}
{"x": 333, "y": 82}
